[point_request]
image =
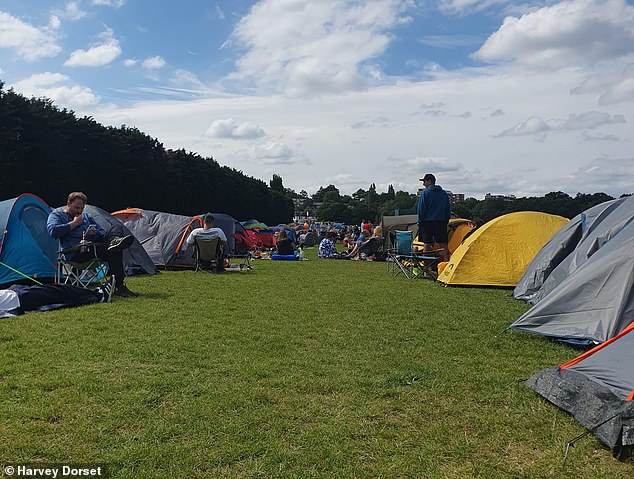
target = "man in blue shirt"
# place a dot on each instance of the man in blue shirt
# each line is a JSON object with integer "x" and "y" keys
{"x": 433, "y": 216}
{"x": 72, "y": 226}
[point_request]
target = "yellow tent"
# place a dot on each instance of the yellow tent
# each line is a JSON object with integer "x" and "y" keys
{"x": 498, "y": 252}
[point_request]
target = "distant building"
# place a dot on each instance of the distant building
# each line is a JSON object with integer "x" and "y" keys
{"x": 489, "y": 196}
{"x": 453, "y": 197}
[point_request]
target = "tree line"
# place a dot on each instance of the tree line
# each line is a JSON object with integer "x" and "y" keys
{"x": 50, "y": 152}
{"x": 328, "y": 204}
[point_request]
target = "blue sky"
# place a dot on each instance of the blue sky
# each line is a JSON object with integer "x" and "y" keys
{"x": 492, "y": 96}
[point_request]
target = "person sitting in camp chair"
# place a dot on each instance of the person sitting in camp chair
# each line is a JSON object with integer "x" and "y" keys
{"x": 209, "y": 232}
{"x": 74, "y": 228}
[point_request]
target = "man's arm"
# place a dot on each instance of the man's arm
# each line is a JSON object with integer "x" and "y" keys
{"x": 57, "y": 226}
{"x": 421, "y": 208}
{"x": 99, "y": 231}
{"x": 190, "y": 239}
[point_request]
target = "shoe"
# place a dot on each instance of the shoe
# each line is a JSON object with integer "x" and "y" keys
{"x": 121, "y": 242}
{"x": 123, "y": 292}
{"x": 107, "y": 290}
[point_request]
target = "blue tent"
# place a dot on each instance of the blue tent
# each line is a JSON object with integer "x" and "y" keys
{"x": 25, "y": 245}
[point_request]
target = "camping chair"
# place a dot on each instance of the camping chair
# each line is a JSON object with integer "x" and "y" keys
{"x": 90, "y": 273}
{"x": 402, "y": 260}
{"x": 208, "y": 254}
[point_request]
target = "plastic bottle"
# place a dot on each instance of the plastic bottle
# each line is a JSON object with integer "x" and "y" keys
{"x": 300, "y": 254}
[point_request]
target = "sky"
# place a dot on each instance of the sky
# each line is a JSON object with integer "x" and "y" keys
{"x": 491, "y": 96}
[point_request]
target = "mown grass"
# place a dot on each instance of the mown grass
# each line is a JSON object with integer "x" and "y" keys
{"x": 312, "y": 369}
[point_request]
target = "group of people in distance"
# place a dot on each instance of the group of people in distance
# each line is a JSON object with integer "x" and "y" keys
{"x": 356, "y": 243}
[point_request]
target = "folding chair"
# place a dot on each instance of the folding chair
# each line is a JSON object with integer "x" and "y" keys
{"x": 90, "y": 273}
{"x": 403, "y": 260}
{"x": 208, "y": 254}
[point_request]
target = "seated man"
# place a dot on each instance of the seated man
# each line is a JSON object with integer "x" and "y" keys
{"x": 72, "y": 226}
{"x": 208, "y": 231}
{"x": 19, "y": 298}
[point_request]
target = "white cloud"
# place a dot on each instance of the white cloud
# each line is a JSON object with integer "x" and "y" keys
{"x": 604, "y": 175}
{"x": 186, "y": 79}
{"x": 273, "y": 153}
{"x": 97, "y": 55}
{"x": 30, "y": 42}
{"x": 304, "y": 48}
{"x": 72, "y": 11}
{"x": 230, "y": 129}
{"x": 585, "y": 121}
{"x": 421, "y": 165}
{"x": 464, "y": 6}
{"x": 379, "y": 121}
{"x": 54, "y": 22}
{"x": 610, "y": 87}
{"x": 109, "y": 3}
{"x": 450, "y": 41}
{"x": 570, "y": 33}
{"x": 129, "y": 62}
{"x": 58, "y": 88}
{"x": 219, "y": 12}
{"x": 153, "y": 63}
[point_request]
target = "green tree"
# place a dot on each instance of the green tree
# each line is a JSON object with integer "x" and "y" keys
{"x": 319, "y": 196}
{"x": 276, "y": 183}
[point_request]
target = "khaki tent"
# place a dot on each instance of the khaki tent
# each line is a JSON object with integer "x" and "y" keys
{"x": 498, "y": 252}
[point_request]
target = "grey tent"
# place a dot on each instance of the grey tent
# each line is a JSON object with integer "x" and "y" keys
{"x": 162, "y": 235}
{"x": 594, "y": 298}
{"x": 558, "y": 248}
{"x": 597, "y": 388}
{"x": 612, "y": 222}
{"x": 135, "y": 259}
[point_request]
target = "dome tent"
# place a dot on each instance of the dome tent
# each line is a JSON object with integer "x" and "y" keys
{"x": 564, "y": 242}
{"x": 498, "y": 252}
{"x": 25, "y": 244}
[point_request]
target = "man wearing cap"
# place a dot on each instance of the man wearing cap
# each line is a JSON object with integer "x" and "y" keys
{"x": 433, "y": 216}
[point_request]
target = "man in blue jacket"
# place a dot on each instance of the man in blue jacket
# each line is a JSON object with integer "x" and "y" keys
{"x": 433, "y": 216}
{"x": 71, "y": 225}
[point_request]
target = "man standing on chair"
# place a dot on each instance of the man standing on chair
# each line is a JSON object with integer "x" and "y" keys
{"x": 433, "y": 216}
{"x": 72, "y": 226}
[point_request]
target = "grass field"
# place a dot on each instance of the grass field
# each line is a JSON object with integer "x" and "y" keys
{"x": 321, "y": 368}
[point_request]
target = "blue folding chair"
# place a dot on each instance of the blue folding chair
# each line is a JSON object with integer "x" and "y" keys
{"x": 403, "y": 260}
